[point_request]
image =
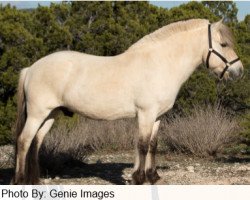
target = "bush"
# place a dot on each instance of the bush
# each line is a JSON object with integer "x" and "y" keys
{"x": 244, "y": 145}
{"x": 66, "y": 144}
{"x": 202, "y": 133}
{"x": 60, "y": 148}
{"x": 108, "y": 135}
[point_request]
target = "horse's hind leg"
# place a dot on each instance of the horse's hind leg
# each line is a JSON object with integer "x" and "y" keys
{"x": 146, "y": 121}
{"x": 23, "y": 144}
{"x": 33, "y": 161}
{"x": 150, "y": 169}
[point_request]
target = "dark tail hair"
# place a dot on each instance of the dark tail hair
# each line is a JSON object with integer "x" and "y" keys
{"x": 21, "y": 105}
{"x": 21, "y": 109}
{"x": 31, "y": 168}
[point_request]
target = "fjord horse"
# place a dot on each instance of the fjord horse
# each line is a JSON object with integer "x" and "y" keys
{"x": 142, "y": 82}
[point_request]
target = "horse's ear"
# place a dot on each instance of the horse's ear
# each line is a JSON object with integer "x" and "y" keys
{"x": 218, "y": 24}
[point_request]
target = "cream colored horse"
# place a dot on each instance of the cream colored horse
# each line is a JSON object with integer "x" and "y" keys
{"x": 142, "y": 82}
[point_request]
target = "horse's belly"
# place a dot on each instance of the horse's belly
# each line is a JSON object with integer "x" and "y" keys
{"x": 108, "y": 113}
{"x": 104, "y": 109}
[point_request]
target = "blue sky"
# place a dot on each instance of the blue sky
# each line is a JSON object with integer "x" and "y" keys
{"x": 243, "y": 6}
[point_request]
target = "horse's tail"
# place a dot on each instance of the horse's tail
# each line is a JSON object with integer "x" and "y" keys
{"x": 31, "y": 171}
{"x": 21, "y": 105}
{"x": 21, "y": 110}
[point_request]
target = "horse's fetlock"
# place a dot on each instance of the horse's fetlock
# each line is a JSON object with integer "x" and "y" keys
{"x": 152, "y": 175}
{"x": 138, "y": 177}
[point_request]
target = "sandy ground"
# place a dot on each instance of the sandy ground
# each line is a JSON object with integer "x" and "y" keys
{"x": 116, "y": 168}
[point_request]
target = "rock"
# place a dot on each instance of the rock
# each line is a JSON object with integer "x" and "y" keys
{"x": 243, "y": 168}
{"x": 57, "y": 178}
{"x": 190, "y": 169}
{"x": 218, "y": 170}
{"x": 47, "y": 181}
{"x": 127, "y": 182}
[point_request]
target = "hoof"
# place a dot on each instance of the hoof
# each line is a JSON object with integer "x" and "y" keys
{"x": 19, "y": 181}
{"x": 35, "y": 182}
{"x": 25, "y": 181}
{"x": 152, "y": 176}
{"x": 138, "y": 177}
{"x": 13, "y": 182}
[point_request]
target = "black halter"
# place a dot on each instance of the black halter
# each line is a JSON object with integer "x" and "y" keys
{"x": 211, "y": 50}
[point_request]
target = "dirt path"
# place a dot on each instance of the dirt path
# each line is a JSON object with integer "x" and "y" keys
{"x": 115, "y": 168}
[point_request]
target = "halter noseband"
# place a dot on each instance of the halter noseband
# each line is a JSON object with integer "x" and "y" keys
{"x": 211, "y": 50}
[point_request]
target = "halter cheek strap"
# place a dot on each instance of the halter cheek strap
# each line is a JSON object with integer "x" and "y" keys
{"x": 211, "y": 50}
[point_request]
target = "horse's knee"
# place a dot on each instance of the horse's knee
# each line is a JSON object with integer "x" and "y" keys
{"x": 23, "y": 144}
{"x": 152, "y": 175}
{"x": 138, "y": 177}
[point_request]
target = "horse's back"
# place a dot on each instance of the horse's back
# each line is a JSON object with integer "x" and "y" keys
{"x": 87, "y": 84}
{"x": 57, "y": 68}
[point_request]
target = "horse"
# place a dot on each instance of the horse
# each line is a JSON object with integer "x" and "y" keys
{"x": 140, "y": 83}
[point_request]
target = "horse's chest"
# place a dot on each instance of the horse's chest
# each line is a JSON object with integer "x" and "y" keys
{"x": 165, "y": 103}
{"x": 163, "y": 108}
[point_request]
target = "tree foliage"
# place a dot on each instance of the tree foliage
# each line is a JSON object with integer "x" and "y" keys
{"x": 223, "y": 9}
{"x": 109, "y": 28}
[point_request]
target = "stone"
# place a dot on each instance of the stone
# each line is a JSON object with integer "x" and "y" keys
{"x": 47, "y": 181}
{"x": 243, "y": 168}
{"x": 190, "y": 169}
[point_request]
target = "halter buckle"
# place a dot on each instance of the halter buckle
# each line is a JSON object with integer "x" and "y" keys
{"x": 210, "y": 49}
{"x": 228, "y": 64}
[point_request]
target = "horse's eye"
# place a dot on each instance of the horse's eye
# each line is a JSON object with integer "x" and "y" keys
{"x": 223, "y": 44}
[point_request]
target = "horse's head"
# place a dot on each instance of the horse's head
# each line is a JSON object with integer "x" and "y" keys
{"x": 220, "y": 56}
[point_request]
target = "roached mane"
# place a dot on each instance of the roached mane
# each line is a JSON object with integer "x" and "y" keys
{"x": 182, "y": 26}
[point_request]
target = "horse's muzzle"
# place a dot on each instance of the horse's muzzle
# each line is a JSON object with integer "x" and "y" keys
{"x": 236, "y": 72}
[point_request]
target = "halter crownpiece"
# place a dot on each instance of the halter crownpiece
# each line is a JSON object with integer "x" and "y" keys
{"x": 211, "y": 50}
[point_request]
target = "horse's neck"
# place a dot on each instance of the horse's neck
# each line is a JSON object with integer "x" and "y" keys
{"x": 176, "y": 56}
{"x": 186, "y": 52}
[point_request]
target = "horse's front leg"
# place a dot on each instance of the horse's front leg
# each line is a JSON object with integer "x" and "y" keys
{"x": 146, "y": 121}
{"x": 151, "y": 173}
